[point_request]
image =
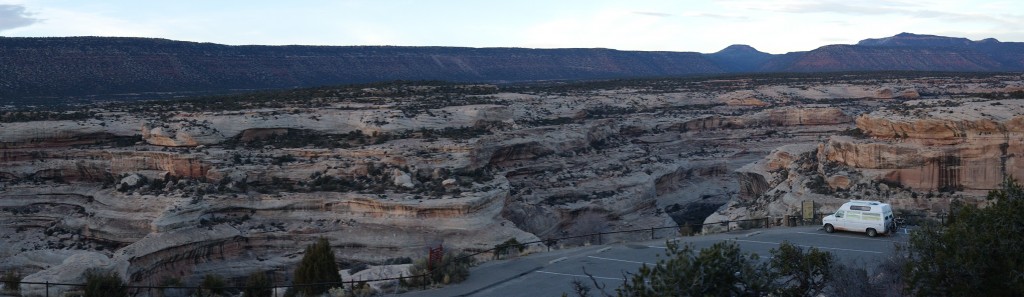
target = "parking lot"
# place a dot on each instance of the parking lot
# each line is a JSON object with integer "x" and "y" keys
{"x": 550, "y": 274}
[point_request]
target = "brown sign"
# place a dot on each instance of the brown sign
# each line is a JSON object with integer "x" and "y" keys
{"x": 808, "y": 210}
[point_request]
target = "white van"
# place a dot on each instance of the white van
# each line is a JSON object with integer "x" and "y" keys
{"x": 872, "y": 217}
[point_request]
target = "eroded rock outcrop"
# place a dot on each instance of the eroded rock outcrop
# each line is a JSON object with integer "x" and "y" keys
{"x": 384, "y": 172}
{"x": 918, "y": 156}
{"x": 972, "y": 146}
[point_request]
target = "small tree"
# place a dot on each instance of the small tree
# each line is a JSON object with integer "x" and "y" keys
{"x": 257, "y": 285}
{"x": 104, "y": 284}
{"x": 508, "y": 247}
{"x": 723, "y": 270}
{"x": 452, "y": 269}
{"x": 213, "y": 285}
{"x": 980, "y": 252}
{"x": 318, "y": 271}
{"x": 12, "y": 282}
{"x": 719, "y": 270}
{"x": 802, "y": 273}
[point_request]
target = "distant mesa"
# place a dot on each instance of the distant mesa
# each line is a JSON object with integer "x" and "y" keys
{"x": 740, "y": 49}
{"x": 76, "y": 67}
{"x": 740, "y": 58}
{"x": 920, "y": 40}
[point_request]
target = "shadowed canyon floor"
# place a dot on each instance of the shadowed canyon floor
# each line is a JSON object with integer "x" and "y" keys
{"x": 231, "y": 185}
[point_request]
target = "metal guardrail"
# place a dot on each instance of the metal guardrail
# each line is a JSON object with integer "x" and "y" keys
{"x": 497, "y": 251}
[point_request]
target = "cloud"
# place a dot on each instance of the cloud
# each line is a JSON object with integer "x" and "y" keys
{"x": 655, "y": 14}
{"x": 15, "y": 16}
{"x": 883, "y": 7}
{"x": 716, "y": 16}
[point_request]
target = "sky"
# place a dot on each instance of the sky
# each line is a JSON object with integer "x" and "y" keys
{"x": 776, "y": 26}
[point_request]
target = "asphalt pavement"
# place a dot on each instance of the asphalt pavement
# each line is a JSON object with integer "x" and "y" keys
{"x": 551, "y": 273}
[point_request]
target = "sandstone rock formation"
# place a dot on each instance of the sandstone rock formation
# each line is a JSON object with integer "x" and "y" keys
{"x": 902, "y": 154}
{"x": 158, "y": 192}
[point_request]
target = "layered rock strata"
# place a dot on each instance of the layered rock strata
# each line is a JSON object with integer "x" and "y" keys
{"x": 159, "y": 194}
{"x": 919, "y": 155}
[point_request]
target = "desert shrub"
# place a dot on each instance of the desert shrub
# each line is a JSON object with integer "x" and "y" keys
{"x": 213, "y": 285}
{"x": 818, "y": 185}
{"x": 979, "y": 253}
{"x": 452, "y": 269}
{"x": 360, "y": 289}
{"x": 724, "y": 270}
{"x": 508, "y": 247}
{"x": 100, "y": 283}
{"x": 799, "y": 272}
{"x": 257, "y": 285}
{"x": 317, "y": 267}
{"x": 12, "y": 282}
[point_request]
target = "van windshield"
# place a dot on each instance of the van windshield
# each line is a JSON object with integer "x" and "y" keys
{"x": 839, "y": 214}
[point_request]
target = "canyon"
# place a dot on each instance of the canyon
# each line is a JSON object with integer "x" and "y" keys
{"x": 229, "y": 185}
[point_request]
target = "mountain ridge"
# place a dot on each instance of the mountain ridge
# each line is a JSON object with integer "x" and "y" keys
{"x": 83, "y": 66}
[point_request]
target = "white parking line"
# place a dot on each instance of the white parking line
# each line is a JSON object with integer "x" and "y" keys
{"x": 618, "y": 260}
{"x": 578, "y": 275}
{"x": 833, "y": 235}
{"x": 819, "y": 247}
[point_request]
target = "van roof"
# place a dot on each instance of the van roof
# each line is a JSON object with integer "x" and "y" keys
{"x": 865, "y": 202}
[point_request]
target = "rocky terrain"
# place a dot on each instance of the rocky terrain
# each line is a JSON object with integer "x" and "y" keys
{"x": 52, "y": 70}
{"x": 175, "y": 190}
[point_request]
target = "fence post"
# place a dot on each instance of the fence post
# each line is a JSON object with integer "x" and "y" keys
{"x": 728, "y": 227}
{"x": 767, "y": 220}
{"x": 599, "y": 238}
{"x": 47, "y": 288}
{"x": 652, "y": 233}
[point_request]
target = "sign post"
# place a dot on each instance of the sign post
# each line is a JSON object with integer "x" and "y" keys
{"x": 808, "y": 210}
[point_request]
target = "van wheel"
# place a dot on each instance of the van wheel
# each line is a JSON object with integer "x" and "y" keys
{"x": 829, "y": 228}
{"x": 872, "y": 233}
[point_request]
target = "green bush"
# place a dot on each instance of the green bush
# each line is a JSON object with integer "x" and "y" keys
{"x": 258, "y": 285}
{"x": 979, "y": 253}
{"x": 801, "y": 273}
{"x": 724, "y": 270}
{"x": 317, "y": 267}
{"x": 11, "y": 281}
{"x": 452, "y": 269}
{"x": 213, "y": 285}
{"x": 508, "y": 247}
{"x": 719, "y": 270}
{"x": 104, "y": 284}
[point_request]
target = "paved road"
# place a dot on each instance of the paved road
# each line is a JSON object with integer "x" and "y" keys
{"x": 550, "y": 274}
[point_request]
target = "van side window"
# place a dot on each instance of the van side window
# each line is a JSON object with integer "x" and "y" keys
{"x": 860, "y": 207}
{"x": 839, "y": 214}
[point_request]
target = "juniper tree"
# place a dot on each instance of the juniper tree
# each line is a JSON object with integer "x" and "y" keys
{"x": 318, "y": 271}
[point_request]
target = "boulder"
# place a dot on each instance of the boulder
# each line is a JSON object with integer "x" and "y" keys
{"x": 838, "y": 182}
{"x": 402, "y": 179}
{"x": 131, "y": 181}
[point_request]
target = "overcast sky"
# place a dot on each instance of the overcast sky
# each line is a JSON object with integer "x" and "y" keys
{"x": 670, "y": 25}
